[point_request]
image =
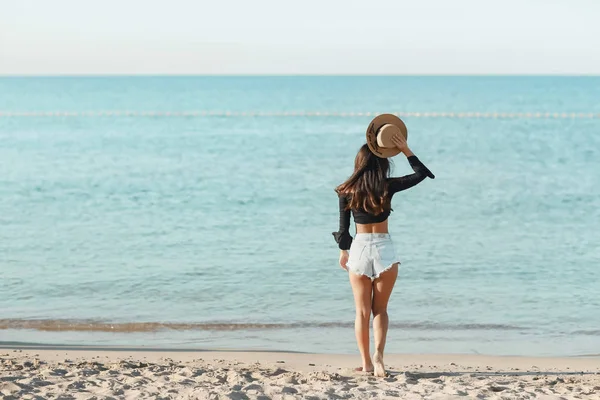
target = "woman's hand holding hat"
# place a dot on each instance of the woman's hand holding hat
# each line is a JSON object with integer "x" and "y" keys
{"x": 400, "y": 142}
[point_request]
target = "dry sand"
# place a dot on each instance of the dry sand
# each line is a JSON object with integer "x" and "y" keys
{"x": 100, "y": 373}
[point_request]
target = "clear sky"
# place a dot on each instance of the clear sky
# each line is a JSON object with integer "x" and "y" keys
{"x": 299, "y": 37}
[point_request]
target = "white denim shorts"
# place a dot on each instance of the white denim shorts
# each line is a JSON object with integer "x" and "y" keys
{"x": 372, "y": 254}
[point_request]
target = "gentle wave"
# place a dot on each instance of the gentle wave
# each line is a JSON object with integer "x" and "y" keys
{"x": 130, "y": 327}
{"x": 589, "y": 332}
{"x": 209, "y": 113}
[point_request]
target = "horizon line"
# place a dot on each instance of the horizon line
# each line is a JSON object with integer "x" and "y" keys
{"x": 292, "y": 75}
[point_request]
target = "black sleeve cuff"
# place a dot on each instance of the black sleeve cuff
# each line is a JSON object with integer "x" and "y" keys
{"x": 415, "y": 162}
{"x": 344, "y": 240}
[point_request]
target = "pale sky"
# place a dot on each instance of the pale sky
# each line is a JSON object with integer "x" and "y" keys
{"x": 58, "y": 37}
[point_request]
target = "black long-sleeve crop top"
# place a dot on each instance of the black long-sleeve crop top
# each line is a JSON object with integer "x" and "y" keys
{"x": 343, "y": 237}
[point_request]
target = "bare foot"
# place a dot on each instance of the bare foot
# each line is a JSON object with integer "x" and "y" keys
{"x": 365, "y": 370}
{"x": 379, "y": 368}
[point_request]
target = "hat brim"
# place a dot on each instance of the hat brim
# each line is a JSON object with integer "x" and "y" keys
{"x": 375, "y": 125}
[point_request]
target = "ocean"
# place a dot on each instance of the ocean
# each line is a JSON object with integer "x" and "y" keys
{"x": 196, "y": 212}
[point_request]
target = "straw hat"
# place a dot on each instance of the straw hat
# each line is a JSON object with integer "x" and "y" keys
{"x": 380, "y": 133}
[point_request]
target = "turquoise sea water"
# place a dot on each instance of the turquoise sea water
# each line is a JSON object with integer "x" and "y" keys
{"x": 219, "y": 227}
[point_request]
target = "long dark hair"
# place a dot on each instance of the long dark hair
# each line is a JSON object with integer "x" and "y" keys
{"x": 367, "y": 188}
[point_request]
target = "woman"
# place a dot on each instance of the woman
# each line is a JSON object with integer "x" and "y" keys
{"x": 372, "y": 260}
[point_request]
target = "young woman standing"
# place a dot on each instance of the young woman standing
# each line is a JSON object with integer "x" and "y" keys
{"x": 371, "y": 258}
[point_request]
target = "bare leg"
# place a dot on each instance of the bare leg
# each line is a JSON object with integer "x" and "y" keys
{"x": 362, "y": 288}
{"x": 382, "y": 290}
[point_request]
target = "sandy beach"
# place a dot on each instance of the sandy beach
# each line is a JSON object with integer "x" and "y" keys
{"x": 104, "y": 373}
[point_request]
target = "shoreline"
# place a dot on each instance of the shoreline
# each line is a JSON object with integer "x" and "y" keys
{"x": 298, "y": 360}
{"x": 215, "y": 374}
{"x": 12, "y": 345}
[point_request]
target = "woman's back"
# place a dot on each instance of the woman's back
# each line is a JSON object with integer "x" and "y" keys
{"x": 368, "y": 222}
